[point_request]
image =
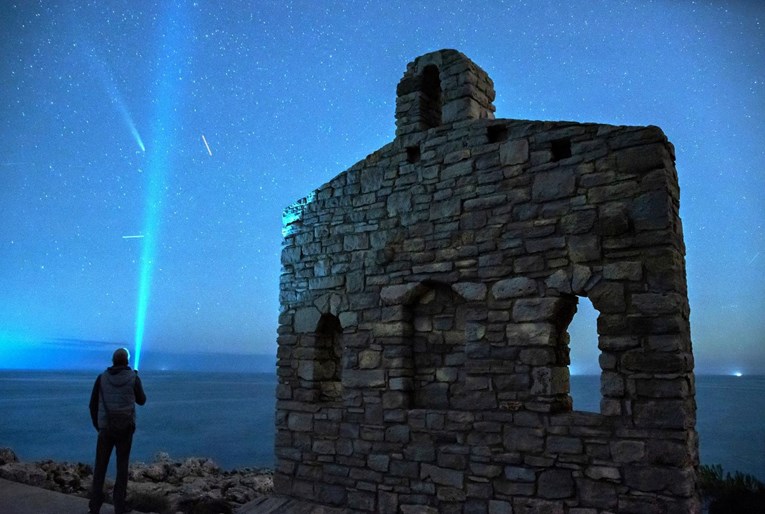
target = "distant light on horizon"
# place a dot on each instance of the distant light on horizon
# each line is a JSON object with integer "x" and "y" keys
{"x": 738, "y": 374}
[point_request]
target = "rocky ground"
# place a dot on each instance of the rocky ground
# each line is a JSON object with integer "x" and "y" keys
{"x": 195, "y": 484}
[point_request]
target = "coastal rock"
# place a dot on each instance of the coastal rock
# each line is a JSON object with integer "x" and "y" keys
{"x": 23, "y": 472}
{"x": 7, "y": 455}
{"x": 194, "y": 483}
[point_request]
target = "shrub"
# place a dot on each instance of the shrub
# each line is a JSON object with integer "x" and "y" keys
{"x": 739, "y": 492}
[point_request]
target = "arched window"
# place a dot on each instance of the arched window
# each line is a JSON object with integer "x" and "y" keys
{"x": 328, "y": 358}
{"x": 582, "y": 343}
{"x": 430, "y": 97}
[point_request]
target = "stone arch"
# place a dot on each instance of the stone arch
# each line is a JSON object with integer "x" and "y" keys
{"x": 568, "y": 312}
{"x": 321, "y": 365}
{"x": 613, "y": 334}
{"x": 430, "y": 97}
{"x": 584, "y": 362}
{"x": 438, "y": 345}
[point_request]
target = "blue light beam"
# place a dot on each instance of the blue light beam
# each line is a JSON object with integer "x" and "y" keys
{"x": 164, "y": 128}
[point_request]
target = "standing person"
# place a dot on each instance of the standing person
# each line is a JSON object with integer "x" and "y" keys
{"x": 112, "y": 410}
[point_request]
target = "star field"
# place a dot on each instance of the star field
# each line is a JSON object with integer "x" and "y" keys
{"x": 105, "y": 104}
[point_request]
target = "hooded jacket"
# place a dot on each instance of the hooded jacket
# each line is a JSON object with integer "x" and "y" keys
{"x": 121, "y": 388}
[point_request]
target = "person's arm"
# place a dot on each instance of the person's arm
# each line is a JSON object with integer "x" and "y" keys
{"x": 140, "y": 396}
{"x": 94, "y": 402}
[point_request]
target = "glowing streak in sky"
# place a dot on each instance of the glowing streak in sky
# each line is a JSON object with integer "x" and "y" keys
{"x": 164, "y": 126}
{"x": 206, "y": 145}
{"x": 128, "y": 120}
{"x": 108, "y": 80}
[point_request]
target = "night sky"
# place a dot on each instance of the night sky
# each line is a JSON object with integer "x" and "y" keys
{"x": 193, "y": 124}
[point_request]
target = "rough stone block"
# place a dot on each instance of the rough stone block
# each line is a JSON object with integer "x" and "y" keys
{"x": 399, "y": 203}
{"x": 564, "y": 444}
{"x": 459, "y": 169}
{"x": 445, "y": 209}
{"x": 555, "y": 484}
{"x": 655, "y": 479}
{"x": 442, "y": 476}
{"x": 378, "y": 462}
{"x": 623, "y": 271}
{"x": 300, "y": 422}
{"x": 485, "y": 470}
{"x": 514, "y": 152}
{"x": 654, "y": 304}
{"x": 418, "y": 509}
{"x": 608, "y": 297}
{"x": 530, "y": 334}
{"x": 627, "y": 451}
{"x": 363, "y": 378}
{"x": 597, "y": 493}
{"x": 545, "y": 244}
{"x": 361, "y": 500}
{"x": 584, "y": 248}
{"x": 397, "y": 434}
{"x": 549, "y": 380}
{"x": 506, "y": 488}
{"x": 580, "y": 278}
{"x": 614, "y": 219}
{"x": 369, "y": 359}
{"x": 535, "y": 309}
{"x": 523, "y": 265}
{"x": 523, "y": 439}
{"x": 651, "y": 211}
{"x": 553, "y": 185}
{"x": 500, "y": 507}
{"x": 520, "y": 474}
{"x": 470, "y": 291}
{"x": 306, "y": 320}
{"x": 579, "y": 222}
{"x": 672, "y": 414}
{"x": 398, "y": 294}
{"x": 559, "y": 281}
{"x": 603, "y": 473}
{"x": 513, "y": 288}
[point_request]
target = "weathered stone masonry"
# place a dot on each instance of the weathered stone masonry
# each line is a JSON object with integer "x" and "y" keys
{"x": 426, "y": 292}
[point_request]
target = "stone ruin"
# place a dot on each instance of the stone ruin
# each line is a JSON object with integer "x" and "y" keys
{"x": 425, "y": 298}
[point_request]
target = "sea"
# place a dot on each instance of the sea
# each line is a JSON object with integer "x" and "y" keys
{"x": 229, "y": 417}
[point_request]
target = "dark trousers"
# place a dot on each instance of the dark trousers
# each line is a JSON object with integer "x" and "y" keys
{"x": 106, "y": 442}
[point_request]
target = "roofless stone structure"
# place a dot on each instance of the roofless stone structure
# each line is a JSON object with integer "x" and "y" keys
{"x": 426, "y": 293}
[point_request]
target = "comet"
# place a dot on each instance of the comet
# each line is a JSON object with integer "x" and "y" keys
{"x": 204, "y": 139}
{"x": 137, "y": 236}
{"x": 107, "y": 79}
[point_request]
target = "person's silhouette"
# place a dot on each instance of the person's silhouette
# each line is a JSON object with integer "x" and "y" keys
{"x": 112, "y": 410}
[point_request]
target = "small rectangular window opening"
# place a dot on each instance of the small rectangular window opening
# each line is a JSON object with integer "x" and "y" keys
{"x": 412, "y": 154}
{"x": 561, "y": 149}
{"x": 496, "y": 133}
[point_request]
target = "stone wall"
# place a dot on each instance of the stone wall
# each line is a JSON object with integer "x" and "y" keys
{"x": 426, "y": 293}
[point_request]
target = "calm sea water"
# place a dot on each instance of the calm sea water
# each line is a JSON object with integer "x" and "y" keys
{"x": 230, "y": 417}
